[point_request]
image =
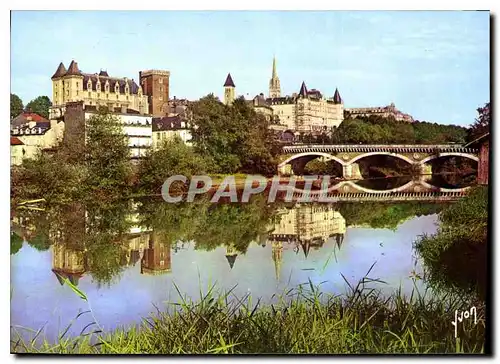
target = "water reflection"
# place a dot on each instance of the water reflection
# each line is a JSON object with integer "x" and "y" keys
{"x": 127, "y": 256}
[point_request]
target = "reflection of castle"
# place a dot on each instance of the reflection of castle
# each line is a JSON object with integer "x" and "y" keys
{"x": 231, "y": 255}
{"x": 156, "y": 258}
{"x": 68, "y": 262}
{"x": 277, "y": 257}
{"x": 309, "y": 226}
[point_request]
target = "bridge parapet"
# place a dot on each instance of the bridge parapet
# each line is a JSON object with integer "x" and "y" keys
{"x": 366, "y": 148}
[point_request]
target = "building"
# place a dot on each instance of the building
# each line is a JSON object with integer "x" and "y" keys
{"x": 17, "y": 151}
{"x": 137, "y": 127}
{"x": 383, "y": 111}
{"x": 483, "y": 143}
{"x": 229, "y": 90}
{"x": 36, "y": 134}
{"x": 274, "y": 83}
{"x": 307, "y": 112}
{"x": 68, "y": 263}
{"x": 309, "y": 226}
{"x": 177, "y": 107}
{"x": 157, "y": 257}
{"x": 97, "y": 89}
{"x": 155, "y": 84}
{"x": 169, "y": 127}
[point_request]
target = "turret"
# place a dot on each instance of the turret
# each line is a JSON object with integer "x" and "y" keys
{"x": 229, "y": 90}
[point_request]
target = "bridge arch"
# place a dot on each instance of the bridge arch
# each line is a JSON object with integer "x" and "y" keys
{"x": 308, "y": 154}
{"x": 406, "y": 159}
{"x": 369, "y": 190}
{"x": 431, "y": 187}
{"x": 450, "y": 154}
{"x": 359, "y": 188}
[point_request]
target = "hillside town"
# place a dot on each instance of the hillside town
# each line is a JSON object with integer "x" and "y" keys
{"x": 149, "y": 115}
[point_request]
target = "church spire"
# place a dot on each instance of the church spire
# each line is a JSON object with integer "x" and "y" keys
{"x": 274, "y": 82}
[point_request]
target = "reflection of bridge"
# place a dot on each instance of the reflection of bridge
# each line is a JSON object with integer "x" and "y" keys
{"x": 296, "y": 157}
{"x": 381, "y": 196}
{"x": 413, "y": 187}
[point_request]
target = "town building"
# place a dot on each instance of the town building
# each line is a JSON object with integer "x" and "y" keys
{"x": 382, "y": 111}
{"x": 137, "y": 127}
{"x": 17, "y": 151}
{"x": 35, "y": 133}
{"x": 167, "y": 128}
{"x": 177, "y": 107}
{"x": 100, "y": 89}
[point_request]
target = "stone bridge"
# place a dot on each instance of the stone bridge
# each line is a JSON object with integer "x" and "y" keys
{"x": 295, "y": 157}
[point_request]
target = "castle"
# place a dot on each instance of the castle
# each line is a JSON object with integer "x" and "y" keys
{"x": 307, "y": 112}
{"x": 119, "y": 94}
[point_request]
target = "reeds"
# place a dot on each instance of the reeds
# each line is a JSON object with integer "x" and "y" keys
{"x": 301, "y": 320}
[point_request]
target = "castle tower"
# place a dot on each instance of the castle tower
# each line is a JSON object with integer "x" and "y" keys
{"x": 73, "y": 83}
{"x": 157, "y": 257}
{"x": 155, "y": 85}
{"x": 274, "y": 83}
{"x": 231, "y": 254}
{"x": 58, "y": 85}
{"x": 336, "y": 97}
{"x": 229, "y": 90}
{"x": 277, "y": 258}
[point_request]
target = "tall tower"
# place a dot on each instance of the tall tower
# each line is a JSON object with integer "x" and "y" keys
{"x": 274, "y": 83}
{"x": 73, "y": 83}
{"x": 155, "y": 85}
{"x": 58, "y": 85}
{"x": 229, "y": 90}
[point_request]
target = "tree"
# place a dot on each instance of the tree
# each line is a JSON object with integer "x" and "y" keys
{"x": 40, "y": 105}
{"x": 16, "y": 106}
{"x": 482, "y": 124}
{"x": 235, "y": 137}
{"x": 172, "y": 158}
{"x": 107, "y": 156}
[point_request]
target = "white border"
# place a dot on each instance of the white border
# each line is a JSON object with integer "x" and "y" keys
{"x": 188, "y": 5}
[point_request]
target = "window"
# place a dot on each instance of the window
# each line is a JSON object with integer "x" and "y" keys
{"x": 89, "y": 95}
{"x": 160, "y": 80}
{"x": 78, "y": 85}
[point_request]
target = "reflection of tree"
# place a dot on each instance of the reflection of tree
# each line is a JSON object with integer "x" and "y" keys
{"x": 456, "y": 256}
{"x": 16, "y": 243}
{"x": 385, "y": 216}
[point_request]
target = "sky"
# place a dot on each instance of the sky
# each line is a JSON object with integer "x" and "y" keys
{"x": 434, "y": 65}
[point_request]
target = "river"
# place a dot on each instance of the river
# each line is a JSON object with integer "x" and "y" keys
{"x": 128, "y": 258}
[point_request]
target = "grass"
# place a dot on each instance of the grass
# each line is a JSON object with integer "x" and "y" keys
{"x": 302, "y": 320}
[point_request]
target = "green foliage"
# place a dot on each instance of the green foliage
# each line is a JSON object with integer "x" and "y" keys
{"x": 384, "y": 216}
{"x": 381, "y": 130}
{"x": 172, "y": 158}
{"x": 40, "y": 105}
{"x": 456, "y": 255}
{"x": 482, "y": 124}
{"x": 16, "y": 243}
{"x": 16, "y": 106}
{"x": 235, "y": 137}
{"x": 47, "y": 177}
{"x": 107, "y": 157}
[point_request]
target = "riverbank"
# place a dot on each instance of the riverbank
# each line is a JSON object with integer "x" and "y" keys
{"x": 302, "y": 321}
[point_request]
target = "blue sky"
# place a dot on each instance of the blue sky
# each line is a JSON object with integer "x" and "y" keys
{"x": 433, "y": 65}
